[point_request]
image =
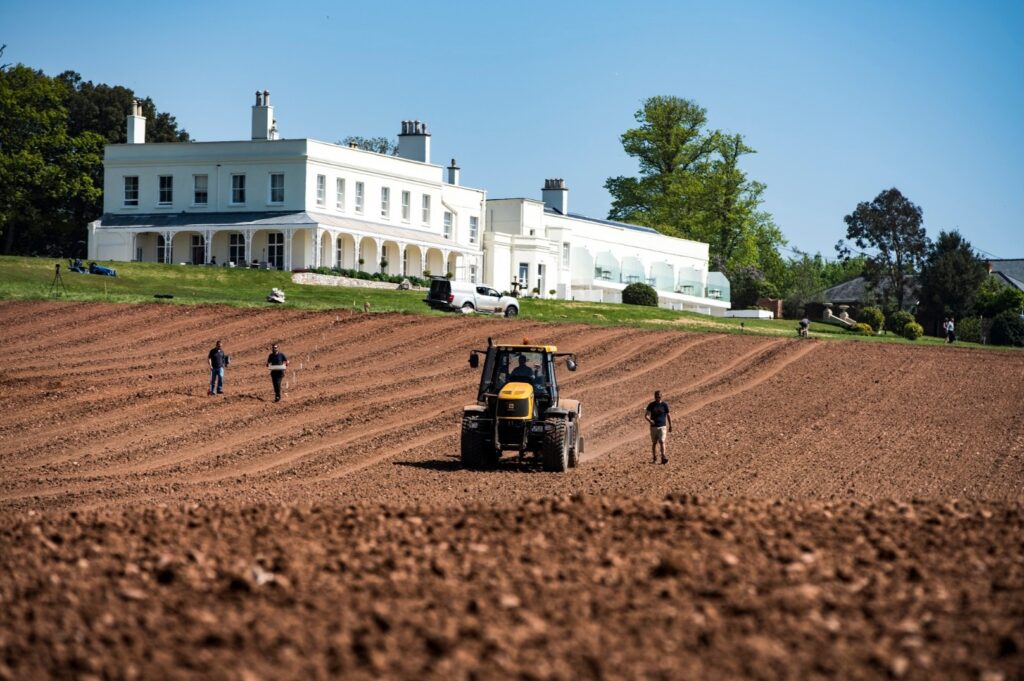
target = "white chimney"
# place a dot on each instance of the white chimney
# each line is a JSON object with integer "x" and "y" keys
{"x": 414, "y": 141}
{"x": 136, "y": 124}
{"x": 264, "y": 127}
{"x": 556, "y": 195}
{"x": 453, "y": 173}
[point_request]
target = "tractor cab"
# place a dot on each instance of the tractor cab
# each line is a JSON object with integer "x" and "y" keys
{"x": 518, "y": 405}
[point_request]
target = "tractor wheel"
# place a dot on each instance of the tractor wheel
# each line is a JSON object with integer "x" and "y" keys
{"x": 577, "y": 446}
{"x": 477, "y": 450}
{"x": 556, "y": 448}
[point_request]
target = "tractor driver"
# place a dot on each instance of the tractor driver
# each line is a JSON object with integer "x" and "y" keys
{"x": 523, "y": 371}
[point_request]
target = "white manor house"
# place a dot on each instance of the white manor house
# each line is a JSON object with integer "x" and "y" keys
{"x": 301, "y": 203}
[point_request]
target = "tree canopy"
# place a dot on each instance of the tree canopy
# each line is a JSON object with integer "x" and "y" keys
{"x": 52, "y": 132}
{"x": 950, "y": 278}
{"x": 691, "y": 186}
{"x": 889, "y": 225}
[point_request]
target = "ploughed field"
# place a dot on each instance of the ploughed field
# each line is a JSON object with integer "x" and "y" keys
{"x": 832, "y": 510}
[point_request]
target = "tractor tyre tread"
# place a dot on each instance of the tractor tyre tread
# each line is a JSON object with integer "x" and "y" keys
{"x": 556, "y": 449}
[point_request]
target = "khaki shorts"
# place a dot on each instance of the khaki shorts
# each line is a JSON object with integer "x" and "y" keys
{"x": 659, "y": 433}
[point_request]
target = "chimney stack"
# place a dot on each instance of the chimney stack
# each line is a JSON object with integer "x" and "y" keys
{"x": 136, "y": 124}
{"x": 264, "y": 127}
{"x": 414, "y": 141}
{"x": 556, "y": 195}
{"x": 453, "y": 174}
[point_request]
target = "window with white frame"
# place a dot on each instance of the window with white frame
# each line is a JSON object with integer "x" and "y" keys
{"x": 524, "y": 273}
{"x": 473, "y": 225}
{"x": 276, "y": 187}
{"x": 161, "y": 248}
{"x": 406, "y": 200}
{"x": 339, "y": 193}
{"x": 238, "y": 188}
{"x": 321, "y": 190}
{"x": 200, "y": 190}
{"x": 565, "y": 254}
{"x": 447, "y": 225}
{"x": 166, "y": 196}
{"x": 385, "y": 202}
{"x": 338, "y": 262}
{"x": 426, "y": 209}
{"x": 131, "y": 190}
{"x": 360, "y": 193}
{"x": 236, "y": 248}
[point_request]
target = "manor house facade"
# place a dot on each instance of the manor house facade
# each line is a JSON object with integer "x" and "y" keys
{"x": 301, "y": 203}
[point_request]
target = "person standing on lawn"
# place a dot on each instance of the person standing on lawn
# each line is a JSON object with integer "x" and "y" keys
{"x": 278, "y": 364}
{"x": 657, "y": 415}
{"x": 218, "y": 359}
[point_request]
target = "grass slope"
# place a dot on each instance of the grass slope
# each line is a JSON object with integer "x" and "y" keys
{"x": 31, "y": 278}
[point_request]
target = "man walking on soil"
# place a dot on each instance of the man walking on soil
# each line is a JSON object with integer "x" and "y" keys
{"x": 277, "y": 363}
{"x": 218, "y": 360}
{"x": 661, "y": 423}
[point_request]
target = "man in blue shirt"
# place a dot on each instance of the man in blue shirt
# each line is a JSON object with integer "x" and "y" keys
{"x": 218, "y": 360}
{"x": 275, "y": 359}
{"x": 661, "y": 422}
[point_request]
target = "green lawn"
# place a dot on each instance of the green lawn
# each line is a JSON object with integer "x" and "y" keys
{"x": 31, "y": 279}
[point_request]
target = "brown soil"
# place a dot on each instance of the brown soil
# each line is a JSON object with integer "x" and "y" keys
{"x": 838, "y": 510}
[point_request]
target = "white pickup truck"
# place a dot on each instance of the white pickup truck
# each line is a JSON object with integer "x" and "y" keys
{"x": 460, "y": 295}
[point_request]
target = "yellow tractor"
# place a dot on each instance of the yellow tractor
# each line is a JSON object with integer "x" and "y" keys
{"x": 518, "y": 408}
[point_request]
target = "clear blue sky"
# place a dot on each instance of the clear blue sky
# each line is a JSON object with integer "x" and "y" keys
{"x": 840, "y": 100}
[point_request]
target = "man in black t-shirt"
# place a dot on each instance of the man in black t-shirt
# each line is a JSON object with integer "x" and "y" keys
{"x": 276, "y": 358}
{"x": 661, "y": 422}
{"x": 218, "y": 360}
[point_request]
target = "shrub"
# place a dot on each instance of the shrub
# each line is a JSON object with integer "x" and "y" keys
{"x": 897, "y": 320}
{"x": 861, "y": 327}
{"x": 873, "y": 317}
{"x": 912, "y": 331}
{"x": 969, "y": 329}
{"x": 1007, "y": 329}
{"x": 640, "y": 294}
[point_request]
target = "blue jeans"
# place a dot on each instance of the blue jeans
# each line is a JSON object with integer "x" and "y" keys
{"x": 217, "y": 380}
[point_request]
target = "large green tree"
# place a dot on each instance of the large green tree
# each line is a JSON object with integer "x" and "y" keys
{"x": 950, "y": 279}
{"x": 102, "y": 108}
{"x": 691, "y": 185}
{"x": 44, "y": 170}
{"x": 890, "y": 226}
{"x": 52, "y": 132}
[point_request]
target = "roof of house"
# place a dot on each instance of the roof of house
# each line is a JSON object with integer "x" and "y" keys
{"x": 611, "y": 223}
{"x": 1008, "y": 280}
{"x": 856, "y": 290}
{"x": 1011, "y": 271}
